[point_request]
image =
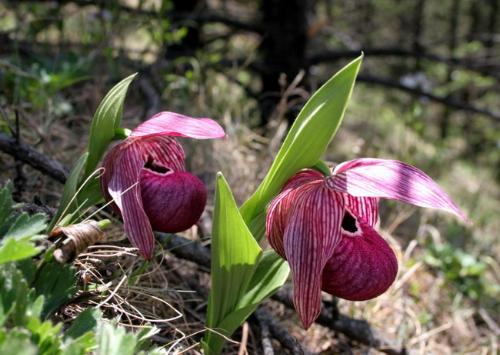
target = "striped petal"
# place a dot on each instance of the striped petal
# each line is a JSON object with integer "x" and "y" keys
{"x": 126, "y": 193}
{"x": 280, "y": 207}
{"x": 364, "y": 208}
{"x": 362, "y": 266}
{"x": 312, "y": 232}
{"x": 368, "y": 177}
{"x": 175, "y": 124}
{"x": 165, "y": 152}
{"x": 121, "y": 182}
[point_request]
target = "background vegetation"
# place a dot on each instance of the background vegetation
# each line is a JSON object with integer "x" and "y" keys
{"x": 427, "y": 95}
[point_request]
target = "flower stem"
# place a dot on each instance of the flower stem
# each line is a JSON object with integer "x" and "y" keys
{"x": 122, "y": 133}
{"x": 104, "y": 224}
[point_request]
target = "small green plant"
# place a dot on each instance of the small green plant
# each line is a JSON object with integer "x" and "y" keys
{"x": 462, "y": 270}
{"x": 33, "y": 287}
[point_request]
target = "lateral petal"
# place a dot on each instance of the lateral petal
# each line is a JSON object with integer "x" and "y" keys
{"x": 126, "y": 193}
{"x": 362, "y": 267}
{"x": 365, "y": 208}
{"x": 163, "y": 151}
{"x": 280, "y": 208}
{"x": 370, "y": 177}
{"x": 312, "y": 232}
{"x": 174, "y": 124}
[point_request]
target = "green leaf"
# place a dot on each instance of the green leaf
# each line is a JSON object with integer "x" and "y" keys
{"x": 271, "y": 273}
{"x": 57, "y": 283}
{"x": 14, "y": 295}
{"x": 17, "y": 243}
{"x": 91, "y": 194}
{"x": 309, "y": 136}
{"x": 235, "y": 253}
{"x": 107, "y": 118}
{"x": 45, "y": 335}
{"x": 77, "y": 197}
{"x": 114, "y": 340}
{"x": 82, "y": 345}
{"x": 85, "y": 322}
{"x": 14, "y": 250}
{"x": 17, "y": 342}
{"x": 5, "y": 205}
{"x": 69, "y": 191}
{"x": 27, "y": 226}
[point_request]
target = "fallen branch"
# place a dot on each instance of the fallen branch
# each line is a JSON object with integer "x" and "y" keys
{"x": 265, "y": 336}
{"x": 29, "y": 155}
{"x": 266, "y": 320}
{"x": 420, "y": 93}
{"x": 207, "y": 16}
{"x": 464, "y": 63}
{"x": 394, "y": 84}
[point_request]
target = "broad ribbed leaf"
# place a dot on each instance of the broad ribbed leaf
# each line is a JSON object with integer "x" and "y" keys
{"x": 107, "y": 119}
{"x": 235, "y": 253}
{"x": 270, "y": 274}
{"x": 312, "y": 131}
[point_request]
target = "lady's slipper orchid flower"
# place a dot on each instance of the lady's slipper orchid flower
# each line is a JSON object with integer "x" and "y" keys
{"x": 145, "y": 177}
{"x": 325, "y": 227}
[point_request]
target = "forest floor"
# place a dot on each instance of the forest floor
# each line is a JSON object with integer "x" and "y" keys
{"x": 428, "y": 310}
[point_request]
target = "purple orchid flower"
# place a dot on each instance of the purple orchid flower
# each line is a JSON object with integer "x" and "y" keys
{"x": 145, "y": 177}
{"x": 325, "y": 227}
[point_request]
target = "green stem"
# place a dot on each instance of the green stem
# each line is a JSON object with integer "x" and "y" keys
{"x": 122, "y": 133}
{"x": 104, "y": 224}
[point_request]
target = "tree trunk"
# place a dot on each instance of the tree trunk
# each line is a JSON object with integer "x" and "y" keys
{"x": 418, "y": 25}
{"x": 452, "y": 45}
{"x": 283, "y": 47}
{"x": 191, "y": 41}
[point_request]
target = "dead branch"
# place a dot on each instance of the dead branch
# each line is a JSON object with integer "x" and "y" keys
{"x": 266, "y": 320}
{"x": 265, "y": 336}
{"x": 206, "y": 17}
{"x": 33, "y": 157}
{"x": 420, "y": 93}
{"x": 473, "y": 64}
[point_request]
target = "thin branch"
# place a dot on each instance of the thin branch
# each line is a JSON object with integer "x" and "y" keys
{"x": 472, "y": 64}
{"x": 278, "y": 332}
{"x": 206, "y": 17}
{"x": 265, "y": 336}
{"x": 369, "y": 79}
{"x": 356, "y": 329}
{"x": 420, "y": 93}
{"x": 33, "y": 157}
